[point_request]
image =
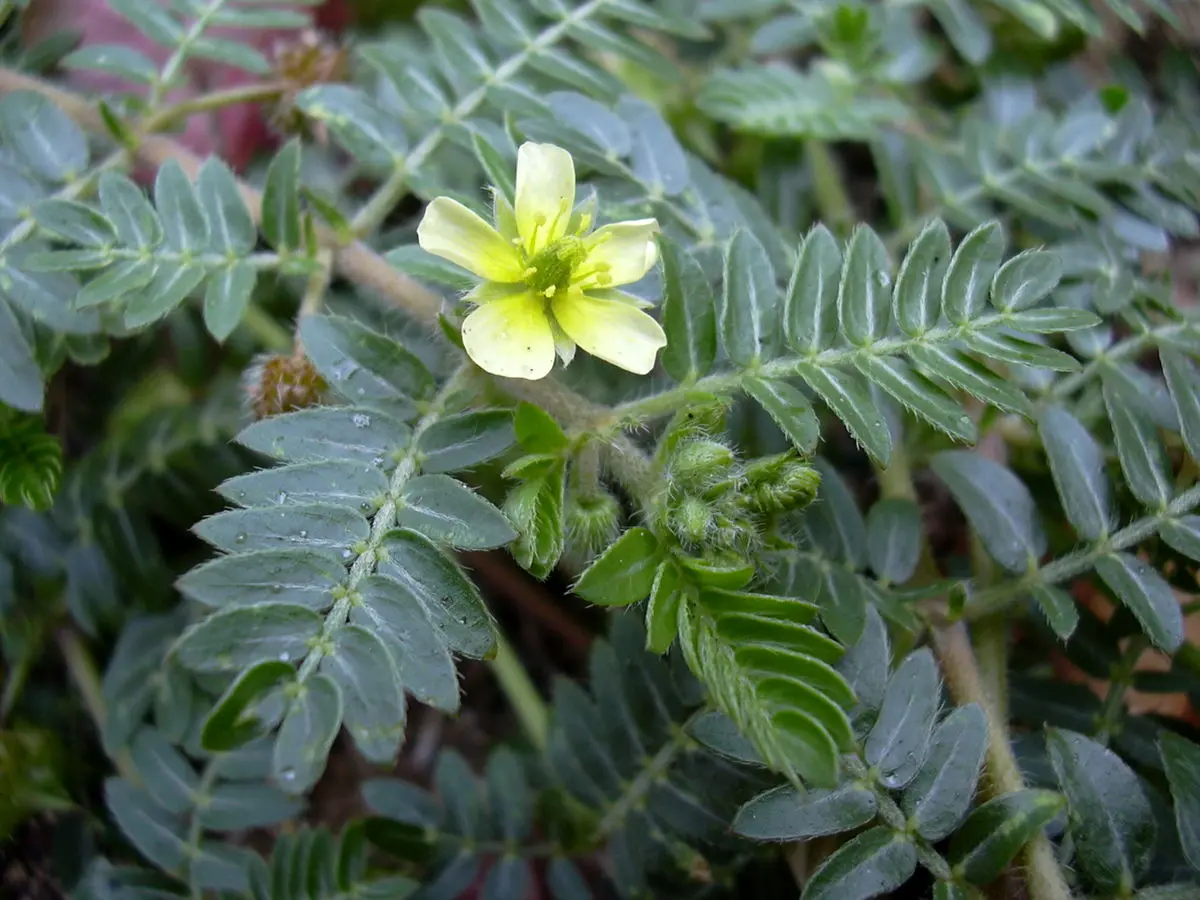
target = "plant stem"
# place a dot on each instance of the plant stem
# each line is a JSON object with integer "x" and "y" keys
{"x": 246, "y": 93}
{"x": 829, "y": 187}
{"x": 1043, "y": 875}
{"x": 86, "y": 679}
{"x": 1120, "y": 677}
{"x": 266, "y": 330}
{"x": 521, "y": 692}
{"x": 989, "y": 637}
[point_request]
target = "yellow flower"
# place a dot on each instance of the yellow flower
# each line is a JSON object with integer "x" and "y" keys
{"x": 548, "y": 281}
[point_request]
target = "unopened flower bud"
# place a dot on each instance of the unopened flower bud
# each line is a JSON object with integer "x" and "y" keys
{"x": 700, "y": 462}
{"x": 779, "y": 483}
{"x": 691, "y": 520}
{"x": 593, "y": 522}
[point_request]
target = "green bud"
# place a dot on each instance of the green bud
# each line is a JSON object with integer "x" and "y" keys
{"x": 778, "y": 483}
{"x": 691, "y": 520}
{"x": 701, "y": 462}
{"x": 593, "y": 522}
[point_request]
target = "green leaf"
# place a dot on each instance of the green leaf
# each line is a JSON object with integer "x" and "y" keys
{"x": 785, "y": 814}
{"x": 412, "y": 260}
{"x": 1048, "y": 320}
{"x": 75, "y": 223}
{"x": 1077, "y": 464}
{"x": 1005, "y": 348}
{"x": 997, "y": 504}
{"x": 227, "y": 296}
{"x": 183, "y": 221}
{"x": 865, "y": 665}
{"x": 461, "y": 441}
{"x": 281, "y": 224}
{"x": 369, "y": 132}
{"x": 719, "y": 733}
{"x": 1109, "y": 816}
{"x": 535, "y": 508}
{"x": 749, "y": 310}
{"x": 113, "y": 59}
{"x": 302, "y": 577}
{"x": 970, "y": 273}
{"x": 302, "y": 745}
{"x": 231, "y": 53}
{"x": 164, "y": 771}
{"x": 894, "y": 539}
{"x": 232, "y": 722}
{"x": 662, "y": 610}
{"x": 152, "y": 20}
{"x": 789, "y": 408}
{"x": 418, "y": 652}
{"x": 876, "y": 862}
{"x": 231, "y": 230}
{"x": 322, "y": 433}
{"x": 363, "y": 365}
{"x": 1058, "y": 607}
{"x": 689, "y": 315}
{"x": 918, "y": 394}
{"x": 1182, "y": 534}
{"x": 918, "y": 284}
{"x": 1185, "y": 392}
{"x": 156, "y": 834}
{"x": 810, "y": 305}
{"x": 1181, "y": 759}
{"x": 447, "y": 511}
{"x": 239, "y": 636}
{"x": 864, "y": 295}
{"x": 361, "y": 665}
{"x": 30, "y": 462}
{"x": 657, "y": 159}
{"x": 968, "y": 375}
{"x": 236, "y": 807}
{"x": 1026, "y": 280}
{"x": 536, "y": 431}
{"x": 897, "y": 744}
{"x": 996, "y": 831}
{"x": 129, "y": 211}
{"x": 436, "y": 582}
{"x": 941, "y": 794}
{"x": 355, "y": 485}
{"x": 320, "y": 526}
{"x": 42, "y": 137}
{"x": 170, "y": 286}
{"x": 1143, "y": 459}
{"x": 1147, "y": 595}
{"x": 843, "y": 532}
{"x": 845, "y": 394}
{"x": 623, "y": 573}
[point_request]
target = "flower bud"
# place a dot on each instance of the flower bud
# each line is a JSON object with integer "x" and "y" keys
{"x": 593, "y": 522}
{"x": 701, "y": 462}
{"x": 778, "y": 483}
{"x": 691, "y": 520}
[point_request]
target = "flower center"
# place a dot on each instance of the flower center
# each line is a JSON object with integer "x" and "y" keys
{"x": 549, "y": 271}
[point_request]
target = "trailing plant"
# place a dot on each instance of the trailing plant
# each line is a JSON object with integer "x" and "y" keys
{"x": 850, "y": 348}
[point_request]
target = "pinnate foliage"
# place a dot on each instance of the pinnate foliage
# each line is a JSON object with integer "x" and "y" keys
{"x": 931, "y": 375}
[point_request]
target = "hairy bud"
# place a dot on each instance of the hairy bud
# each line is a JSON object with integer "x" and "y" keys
{"x": 593, "y": 522}
{"x": 779, "y": 483}
{"x": 691, "y": 520}
{"x": 701, "y": 463}
{"x": 279, "y": 384}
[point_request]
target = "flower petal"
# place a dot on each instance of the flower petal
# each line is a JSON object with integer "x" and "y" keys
{"x": 616, "y": 332}
{"x": 545, "y": 194}
{"x": 511, "y": 337}
{"x": 619, "y": 296}
{"x": 450, "y": 230}
{"x": 621, "y": 253}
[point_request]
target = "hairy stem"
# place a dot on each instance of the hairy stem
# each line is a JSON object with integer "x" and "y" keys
{"x": 522, "y": 695}
{"x": 1043, "y": 875}
{"x": 260, "y": 92}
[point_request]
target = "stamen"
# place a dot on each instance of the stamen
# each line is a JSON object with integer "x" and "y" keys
{"x": 538, "y": 222}
{"x": 528, "y": 273}
{"x": 549, "y": 292}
